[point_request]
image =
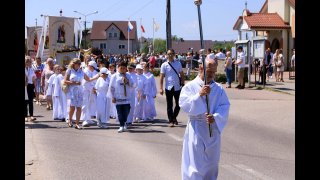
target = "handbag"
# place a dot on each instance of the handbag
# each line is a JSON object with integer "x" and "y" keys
{"x": 64, "y": 87}
{"x": 177, "y": 75}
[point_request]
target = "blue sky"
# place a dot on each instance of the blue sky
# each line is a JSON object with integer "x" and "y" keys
{"x": 218, "y": 16}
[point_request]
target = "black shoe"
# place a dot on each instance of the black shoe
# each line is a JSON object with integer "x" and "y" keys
{"x": 241, "y": 87}
{"x": 175, "y": 122}
{"x": 238, "y": 86}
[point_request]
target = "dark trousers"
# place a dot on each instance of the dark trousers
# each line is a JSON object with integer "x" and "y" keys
{"x": 29, "y": 102}
{"x": 123, "y": 112}
{"x": 172, "y": 114}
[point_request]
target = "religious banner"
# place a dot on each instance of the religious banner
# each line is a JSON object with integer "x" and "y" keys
{"x": 61, "y": 33}
{"x": 33, "y": 35}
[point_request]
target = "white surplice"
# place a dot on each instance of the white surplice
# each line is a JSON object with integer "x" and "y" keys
{"x": 201, "y": 153}
{"x": 59, "y": 99}
{"x": 103, "y": 110}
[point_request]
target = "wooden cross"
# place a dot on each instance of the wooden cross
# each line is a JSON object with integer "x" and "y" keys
{"x": 124, "y": 85}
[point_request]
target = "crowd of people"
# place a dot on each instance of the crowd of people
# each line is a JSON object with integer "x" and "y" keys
{"x": 92, "y": 89}
{"x": 87, "y": 90}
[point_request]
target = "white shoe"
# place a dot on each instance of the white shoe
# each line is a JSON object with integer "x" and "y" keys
{"x": 85, "y": 124}
{"x": 121, "y": 129}
{"x": 125, "y": 127}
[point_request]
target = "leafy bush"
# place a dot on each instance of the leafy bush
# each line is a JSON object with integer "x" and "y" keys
{"x": 221, "y": 78}
{"x": 192, "y": 75}
{"x": 156, "y": 72}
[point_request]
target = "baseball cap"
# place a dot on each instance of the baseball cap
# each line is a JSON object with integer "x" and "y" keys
{"x": 93, "y": 64}
{"x": 139, "y": 66}
{"x": 104, "y": 70}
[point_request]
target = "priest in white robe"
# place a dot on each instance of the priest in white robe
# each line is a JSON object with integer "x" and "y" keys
{"x": 201, "y": 153}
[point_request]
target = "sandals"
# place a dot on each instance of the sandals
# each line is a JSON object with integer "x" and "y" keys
{"x": 70, "y": 125}
{"x": 77, "y": 127}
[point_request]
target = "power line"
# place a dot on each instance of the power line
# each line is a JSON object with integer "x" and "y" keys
{"x": 110, "y": 7}
{"x": 141, "y": 8}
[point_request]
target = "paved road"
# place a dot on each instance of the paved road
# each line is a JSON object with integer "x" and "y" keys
{"x": 257, "y": 143}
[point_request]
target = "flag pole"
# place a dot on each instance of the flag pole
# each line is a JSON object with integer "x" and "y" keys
{"x": 153, "y": 36}
{"x": 128, "y": 35}
{"x": 141, "y": 35}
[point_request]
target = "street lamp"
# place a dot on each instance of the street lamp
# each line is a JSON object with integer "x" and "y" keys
{"x": 198, "y": 3}
{"x": 85, "y": 25}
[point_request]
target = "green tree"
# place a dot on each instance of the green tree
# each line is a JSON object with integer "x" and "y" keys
{"x": 159, "y": 45}
{"x": 145, "y": 48}
{"x": 226, "y": 45}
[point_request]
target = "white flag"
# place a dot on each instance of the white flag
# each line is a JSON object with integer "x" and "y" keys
{"x": 130, "y": 26}
{"x": 156, "y": 26}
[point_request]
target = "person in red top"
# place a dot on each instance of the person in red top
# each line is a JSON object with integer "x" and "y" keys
{"x": 152, "y": 61}
{"x": 38, "y": 68}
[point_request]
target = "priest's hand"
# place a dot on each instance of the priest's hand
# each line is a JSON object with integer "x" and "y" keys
{"x": 113, "y": 100}
{"x": 205, "y": 90}
{"x": 210, "y": 118}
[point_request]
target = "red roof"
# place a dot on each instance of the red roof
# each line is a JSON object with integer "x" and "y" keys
{"x": 292, "y": 2}
{"x": 265, "y": 21}
{"x": 183, "y": 46}
{"x": 99, "y": 29}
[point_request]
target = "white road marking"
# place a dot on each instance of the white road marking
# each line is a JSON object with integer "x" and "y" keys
{"x": 175, "y": 137}
{"x": 245, "y": 172}
{"x": 253, "y": 172}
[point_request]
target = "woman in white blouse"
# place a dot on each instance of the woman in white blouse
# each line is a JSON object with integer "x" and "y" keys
{"x": 73, "y": 79}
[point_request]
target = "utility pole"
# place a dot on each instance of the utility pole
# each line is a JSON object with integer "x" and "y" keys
{"x": 85, "y": 26}
{"x": 168, "y": 25}
{"x": 36, "y": 22}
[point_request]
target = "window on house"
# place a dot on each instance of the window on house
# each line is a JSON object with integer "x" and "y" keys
{"x": 115, "y": 35}
{"x": 110, "y": 35}
{"x": 121, "y": 46}
{"x": 103, "y": 46}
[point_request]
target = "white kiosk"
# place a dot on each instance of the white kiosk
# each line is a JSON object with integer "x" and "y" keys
{"x": 258, "y": 53}
{"x": 246, "y": 50}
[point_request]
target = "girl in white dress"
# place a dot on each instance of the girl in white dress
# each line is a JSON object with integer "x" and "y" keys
{"x": 101, "y": 88}
{"x": 151, "y": 93}
{"x": 59, "y": 97}
{"x": 139, "y": 94}
{"x": 112, "y": 106}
